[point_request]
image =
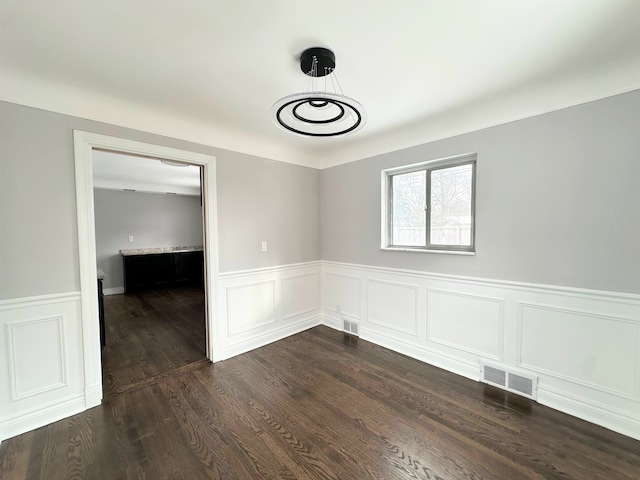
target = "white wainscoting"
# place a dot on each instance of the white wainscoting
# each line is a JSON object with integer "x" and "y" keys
{"x": 250, "y": 306}
{"x": 583, "y": 345}
{"x": 42, "y": 361}
{"x": 264, "y": 305}
{"x": 478, "y": 321}
{"x": 393, "y": 306}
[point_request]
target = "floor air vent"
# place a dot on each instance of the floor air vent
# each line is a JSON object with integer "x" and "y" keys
{"x": 510, "y": 379}
{"x": 350, "y": 327}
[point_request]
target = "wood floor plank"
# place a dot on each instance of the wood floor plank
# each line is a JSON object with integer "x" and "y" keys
{"x": 150, "y": 333}
{"x": 317, "y": 405}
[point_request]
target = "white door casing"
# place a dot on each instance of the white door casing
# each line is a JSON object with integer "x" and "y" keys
{"x": 84, "y": 144}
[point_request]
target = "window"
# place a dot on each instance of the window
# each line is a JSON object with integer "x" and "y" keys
{"x": 430, "y": 206}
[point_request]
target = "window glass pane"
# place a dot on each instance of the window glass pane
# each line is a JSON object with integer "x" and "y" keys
{"x": 451, "y": 205}
{"x": 408, "y": 212}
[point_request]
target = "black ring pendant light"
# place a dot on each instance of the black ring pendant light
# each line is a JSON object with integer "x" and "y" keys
{"x": 316, "y": 112}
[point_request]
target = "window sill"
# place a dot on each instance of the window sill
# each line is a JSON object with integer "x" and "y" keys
{"x": 424, "y": 250}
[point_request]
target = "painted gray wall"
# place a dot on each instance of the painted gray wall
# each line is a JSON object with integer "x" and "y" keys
{"x": 38, "y": 227}
{"x": 558, "y": 201}
{"x": 154, "y": 220}
{"x": 271, "y": 201}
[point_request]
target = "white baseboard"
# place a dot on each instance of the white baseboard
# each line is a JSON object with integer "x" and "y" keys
{"x": 42, "y": 416}
{"x": 113, "y": 290}
{"x": 585, "y": 409}
{"x": 93, "y": 396}
{"x": 332, "y": 322}
{"x": 257, "y": 341}
{"x": 454, "y": 365}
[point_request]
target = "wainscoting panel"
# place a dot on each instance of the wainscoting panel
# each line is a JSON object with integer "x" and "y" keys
{"x": 393, "y": 306}
{"x": 264, "y": 305}
{"x": 596, "y": 351}
{"x": 342, "y": 294}
{"x": 42, "y": 350}
{"x": 478, "y": 321}
{"x": 36, "y": 346}
{"x": 582, "y": 345}
{"x": 250, "y": 305}
{"x": 300, "y": 294}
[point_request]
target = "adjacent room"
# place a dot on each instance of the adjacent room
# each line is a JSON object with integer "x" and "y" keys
{"x": 150, "y": 264}
{"x": 347, "y": 240}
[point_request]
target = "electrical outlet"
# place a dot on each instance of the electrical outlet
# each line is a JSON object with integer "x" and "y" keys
{"x": 131, "y": 238}
{"x": 264, "y": 245}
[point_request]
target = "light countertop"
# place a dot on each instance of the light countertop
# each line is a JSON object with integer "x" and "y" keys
{"x": 156, "y": 250}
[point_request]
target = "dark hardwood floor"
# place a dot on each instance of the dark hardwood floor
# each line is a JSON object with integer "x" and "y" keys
{"x": 317, "y": 405}
{"x": 151, "y": 333}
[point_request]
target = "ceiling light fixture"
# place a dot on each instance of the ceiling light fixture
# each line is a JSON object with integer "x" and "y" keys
{"x": 174, "y": 163}
{"x": 318, "y": 112}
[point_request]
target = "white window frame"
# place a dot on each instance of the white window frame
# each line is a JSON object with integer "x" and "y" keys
{"x": 428, "y": 166}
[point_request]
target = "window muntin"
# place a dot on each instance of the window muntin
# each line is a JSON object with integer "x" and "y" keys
{"x": 430, "y": 206}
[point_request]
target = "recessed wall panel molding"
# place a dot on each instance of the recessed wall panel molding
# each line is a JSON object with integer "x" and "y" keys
{"x": 42, "y": 370}
{"x": 250, "y": 306}
{"x": 266, "y": 304}
{"x": 300, "y": 294}
{"x": 393, "y": 305}
{"x": 587, "y": 348}
{"x": 583, "y": 345}
{"x": 342, "y": 294}
{"x": 471, "y": 323}
{"x": 37, "y": 356}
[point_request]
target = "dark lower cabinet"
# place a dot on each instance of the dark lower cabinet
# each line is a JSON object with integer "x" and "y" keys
{"x": 103, "y": 337}
{"x": 189, "y": 268}
{"x": 162, "y": 270}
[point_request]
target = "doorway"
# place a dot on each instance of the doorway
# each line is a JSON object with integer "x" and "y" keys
{"x": 85, "y": 144}
{"x": 149, "y": 248}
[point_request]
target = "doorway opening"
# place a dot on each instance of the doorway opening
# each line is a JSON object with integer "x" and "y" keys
{"x": 150, "y": 258}
{"x": 86, "y": 145}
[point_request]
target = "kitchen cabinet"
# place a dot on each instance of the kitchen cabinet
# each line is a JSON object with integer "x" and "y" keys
{"x": 165, "y": 269}
{"x": 103, "y": 337}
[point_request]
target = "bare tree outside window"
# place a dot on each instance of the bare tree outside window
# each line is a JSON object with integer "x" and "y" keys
{"x": 450, "y": 213}
{"x": 409, "y": 201}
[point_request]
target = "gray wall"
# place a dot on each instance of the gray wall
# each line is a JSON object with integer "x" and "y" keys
{"x": 271, "y": 201}
{"x": 558, "y": 201}
{"x": 154, "y": 220}
{"x": 38, "y": 229}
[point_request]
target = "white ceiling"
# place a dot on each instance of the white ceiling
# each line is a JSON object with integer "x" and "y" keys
{"x": 209, "y": 70}
{"x": 116, "y": 171}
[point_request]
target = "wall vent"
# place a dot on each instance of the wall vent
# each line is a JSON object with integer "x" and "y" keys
{"x": 509, "y": 379}
{"x": 350, "y": 327}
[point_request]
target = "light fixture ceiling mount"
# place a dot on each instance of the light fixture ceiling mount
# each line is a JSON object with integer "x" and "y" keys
{"x": 318, "y": 112}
